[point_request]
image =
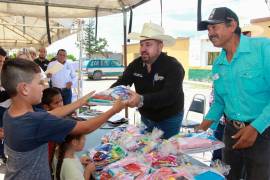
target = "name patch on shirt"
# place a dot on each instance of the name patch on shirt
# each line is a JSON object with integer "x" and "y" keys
{"x": 137, "y": 75}
{"x": 158, "y": 78}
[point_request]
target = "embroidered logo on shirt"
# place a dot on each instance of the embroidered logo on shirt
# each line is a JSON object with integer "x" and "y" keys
{"x": 137, "y": 75}
{"x": 158, "y": 78}
{"x": 215, "y": 76}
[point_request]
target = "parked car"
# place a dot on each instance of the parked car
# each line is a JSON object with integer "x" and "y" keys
{"x": 97, "y": 68}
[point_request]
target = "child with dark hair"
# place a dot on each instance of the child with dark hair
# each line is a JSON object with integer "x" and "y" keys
{"x": 51, "y": 99}
{"x": 28, "y": 130}
{"x": 68, "y": 166}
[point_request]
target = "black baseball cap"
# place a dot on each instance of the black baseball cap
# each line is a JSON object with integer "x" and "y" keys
{"x": 218, "y": 15}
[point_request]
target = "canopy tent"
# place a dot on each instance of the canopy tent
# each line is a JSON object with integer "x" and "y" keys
{"x": 23, "y": 22}
{"x": 67, "y": 8}
{"x": 18, "y": 32}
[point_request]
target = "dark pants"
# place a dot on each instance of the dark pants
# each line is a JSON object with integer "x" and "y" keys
{"x": 2, "y": 110}
{"x": 218, "y": 133}
{"x": 66, "y": 95}
{"x": 170, "y": 126}
{"x": 253, "y": 162}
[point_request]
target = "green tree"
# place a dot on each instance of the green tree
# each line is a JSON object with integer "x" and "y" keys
{"x": 50, "y": 56}
{"x": 90, "y": 44}
{"x": 71, "y": 56}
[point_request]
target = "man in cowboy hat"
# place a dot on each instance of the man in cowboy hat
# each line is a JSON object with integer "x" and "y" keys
{"x": 242, "y": 91}
{"x": 158, "y": 82}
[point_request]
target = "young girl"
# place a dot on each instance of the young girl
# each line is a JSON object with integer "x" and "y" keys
{"x": 68, "y": 165}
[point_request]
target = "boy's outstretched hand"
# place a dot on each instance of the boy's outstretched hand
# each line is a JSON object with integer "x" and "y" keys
{"x": 85, "y": 99}
{"x": 118, "y": 105}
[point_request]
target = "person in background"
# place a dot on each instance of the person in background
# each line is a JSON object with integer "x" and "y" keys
{"x": 158, "y": 80}
{"x": 67, "y": 165}
{"x": 242, "y": 91}
{"x": 33, "y": 53}
{"x": 4, "y": 104}
{"x": 24, "y": 53}
{"x": 3, "y": 55}
{"x": 65, "y": 78}
{"x": 33, "y": 128}
{"x": 41, "y": 60}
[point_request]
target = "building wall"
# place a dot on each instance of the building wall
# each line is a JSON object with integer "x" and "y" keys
{"x": 263, "y": 23}
{"x": 199, "y": 70}
{"x": 180, "y": 51}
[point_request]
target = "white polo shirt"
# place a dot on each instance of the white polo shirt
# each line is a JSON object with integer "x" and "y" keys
{"x": 65, "y": 75}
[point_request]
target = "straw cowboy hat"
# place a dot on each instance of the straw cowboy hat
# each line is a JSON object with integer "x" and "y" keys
{"x": 152, "y": 31}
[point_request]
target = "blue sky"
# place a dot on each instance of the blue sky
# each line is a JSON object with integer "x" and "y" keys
{"x": 179, "y": 20}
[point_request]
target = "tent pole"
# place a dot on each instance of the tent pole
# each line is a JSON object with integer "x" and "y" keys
{"x": 125, "y": 47}
{"x": 80, "y": 38}
{"x": 23, "y": 26}
{"x": 161, "y": 12}
{"x": 47, "y": 22}
{"x": 199, "y": 14}
{"x": 130, "y": 22}
{"x": 96, "y": 24}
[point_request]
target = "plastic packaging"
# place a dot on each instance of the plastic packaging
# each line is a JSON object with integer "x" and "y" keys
{"x": 105, "y": 154}
{"x": 107, "y": 97}
{"x": 195, "y": 142}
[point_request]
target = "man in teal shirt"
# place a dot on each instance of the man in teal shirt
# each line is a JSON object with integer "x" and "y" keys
{"x": 241, "y": 77}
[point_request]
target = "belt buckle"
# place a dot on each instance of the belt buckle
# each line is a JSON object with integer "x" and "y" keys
{"x": 238, "y": 124}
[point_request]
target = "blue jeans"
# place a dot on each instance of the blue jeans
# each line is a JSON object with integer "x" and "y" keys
{"x": 170, "y": 126}
{"x": 66, "y": 95}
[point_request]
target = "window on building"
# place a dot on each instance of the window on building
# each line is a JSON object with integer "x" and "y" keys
{"x": 211, "y": 57}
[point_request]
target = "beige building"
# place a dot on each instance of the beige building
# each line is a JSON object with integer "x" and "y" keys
{"x": 263, "y": 23}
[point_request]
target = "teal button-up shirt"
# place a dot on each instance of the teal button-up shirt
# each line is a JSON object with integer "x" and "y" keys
{"x": 242, "y": 87}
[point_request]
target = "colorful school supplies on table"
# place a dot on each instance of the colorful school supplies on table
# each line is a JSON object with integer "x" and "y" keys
{"x": 126, "y": 169}
{"x": 105, "y": 154}
{"x": 145, "y": 156}
{"x": 166, "y": 173}
{"x": 132, "y": 139}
